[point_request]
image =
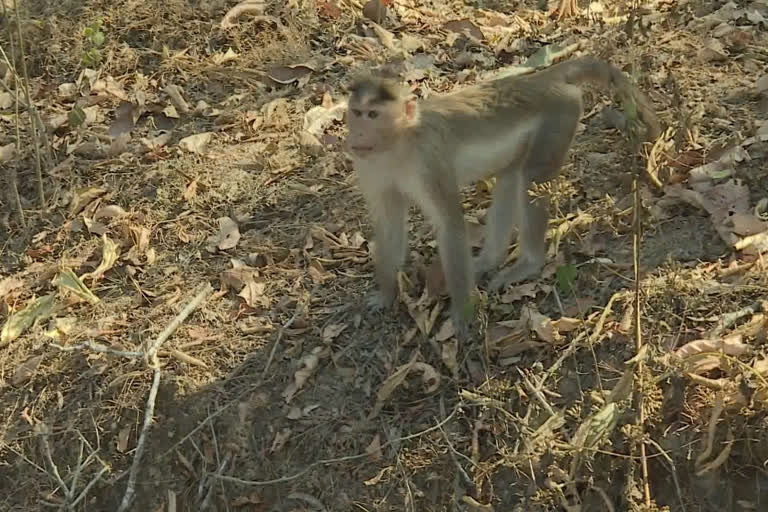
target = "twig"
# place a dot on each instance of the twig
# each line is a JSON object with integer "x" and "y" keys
{"x": 224, "y": 463}
{"x": 96, "y": 347}
{"x": 33, "y": 128}
{"x": 149, "y": 411}
{"x": 728, "y": 319}
{"x": 201, "y": 296}
{"x": 636, "y": 231}
{"x": 325, "y": 462}
{"x": 280, "y": 333}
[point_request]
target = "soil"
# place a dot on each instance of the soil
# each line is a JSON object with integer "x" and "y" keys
{"x": 281, "y": 391}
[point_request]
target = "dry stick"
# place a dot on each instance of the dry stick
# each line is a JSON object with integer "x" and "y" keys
{"x": 149, "y": 411}
{"x": 325, "y": 462}
{"x": 33, "y": 128}
{"x": 638, "y": 335}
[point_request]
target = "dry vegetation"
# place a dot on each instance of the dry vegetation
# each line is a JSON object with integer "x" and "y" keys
{"x": 202, "y": 252}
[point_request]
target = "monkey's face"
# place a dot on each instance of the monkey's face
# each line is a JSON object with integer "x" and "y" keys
{"x": 375, "y": 126}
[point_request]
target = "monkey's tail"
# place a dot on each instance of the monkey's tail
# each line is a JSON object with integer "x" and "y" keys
{"x": 605, "y": 74}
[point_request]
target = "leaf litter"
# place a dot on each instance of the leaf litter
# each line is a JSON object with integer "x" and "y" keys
{"x": 219, "y": 160}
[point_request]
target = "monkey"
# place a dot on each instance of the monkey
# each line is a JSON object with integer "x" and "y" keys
{"x": 516, "y": 128}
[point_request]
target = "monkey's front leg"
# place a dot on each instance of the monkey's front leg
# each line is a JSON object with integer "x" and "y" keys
{"x": 389, "y": 211}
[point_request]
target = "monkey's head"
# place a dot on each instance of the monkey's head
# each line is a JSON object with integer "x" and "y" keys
{"x": 378, "y": 111}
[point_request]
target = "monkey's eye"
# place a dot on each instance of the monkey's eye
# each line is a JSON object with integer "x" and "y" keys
{"x": 373, "y": 114}
{"x": 356, "y": 113}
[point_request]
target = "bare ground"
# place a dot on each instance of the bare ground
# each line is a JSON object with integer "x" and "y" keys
{"x": 280, "y": 392}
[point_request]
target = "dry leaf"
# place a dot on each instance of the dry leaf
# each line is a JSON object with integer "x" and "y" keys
{"x": 374, "y": 448}
{"x": 307, "y": 367}
{"x": 197, "y": 143}
{"x": 541, "y": 324}
{"x": 67, "y": 280}
{"x": 7, "y": 153}
{"x": 462, "y": 25}
{"x": 253, "y": 294}
{"x": 9, "y": 284}
{"x": 318, "y": 118}
{"x": 122, "y": 439}
{"x": 518, "y": 292}
{"x": 331, "y": 331}
{"x": 111, "y": 211}
{"x": 246, "y": 6}
{"x": 227, "y": 237}
{"x": 38, "y": 309}
{"x": 190, "y": 190}
{"x": 446, "y": 331}
{"x": 26, "y": 370}
{"x": 430, "y": 376}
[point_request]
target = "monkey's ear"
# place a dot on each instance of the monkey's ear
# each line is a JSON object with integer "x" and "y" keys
{"x": 410, "y": 110}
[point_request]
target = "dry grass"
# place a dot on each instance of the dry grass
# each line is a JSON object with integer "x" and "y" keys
{"x": 532, "y": 426}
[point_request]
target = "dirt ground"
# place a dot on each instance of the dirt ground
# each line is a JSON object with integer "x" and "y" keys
{"x": 188, "y": 144}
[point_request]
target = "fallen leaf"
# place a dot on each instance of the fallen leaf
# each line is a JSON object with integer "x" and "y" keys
{"x": 318, "y": 118}
{"x": 197, "y": 143}
{"x": 253, "y": 294}
{"x": 446, "y": 331}
{"x": 9, "y": 284}
{"x": 374, "y": 448}
{"x": 26, "y": 370}
{"x": 67, "y": 280}
{"x": 122, "y": 439}
{"x": 110, "y": 251}
{"x": 462, "y": 25}
{"x": 7, "y": 153}
{"x": 227, "y": 237}
{"x": 246, "y": 6}
{"x": 82, "y": 197}
{"x": 541, "y": 324}
{"x": 289, "y": 74}
{"x": 38, "y": 309}
{"x": 331, "y": 331}
{"x": 307, "y": 367}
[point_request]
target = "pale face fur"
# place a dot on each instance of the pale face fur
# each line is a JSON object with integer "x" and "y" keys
{"x": 376, "y": 118}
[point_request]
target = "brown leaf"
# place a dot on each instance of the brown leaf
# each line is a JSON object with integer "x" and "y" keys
{"x": 374, "y": 448}
{"x": 227, "y": 237}
{"x": 329, "y": 10}
{"x": 9, "y": 284}
{"x": 518, "y": 292}
{"x": 446, "y": 331}
{"x": 331, "y": 331}
{"x": 26, "y": 370}
{"x": 197, "y": 143}
{"x": 307, "y": 367}
{"x": 289, "y": 74}
{"x": 122, "y": 439}
{"x": 190, "y": 190}
{"x": 253, "y": 294}
{"x": 541, "y": 324}
{"x": 459, "y": 26}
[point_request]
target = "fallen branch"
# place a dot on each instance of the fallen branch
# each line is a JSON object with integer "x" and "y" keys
{"x": 149, "y": 411}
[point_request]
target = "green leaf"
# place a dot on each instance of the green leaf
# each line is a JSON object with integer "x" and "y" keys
{"x": 566, "y": 276}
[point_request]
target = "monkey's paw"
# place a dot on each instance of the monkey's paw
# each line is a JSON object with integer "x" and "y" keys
{"x": 520, "y": 271}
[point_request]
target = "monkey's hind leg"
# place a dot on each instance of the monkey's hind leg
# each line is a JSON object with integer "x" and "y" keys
{"x": 390, "y": 218}
{"x": 533, "y": 251}
{"x": 507, "y": 208}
